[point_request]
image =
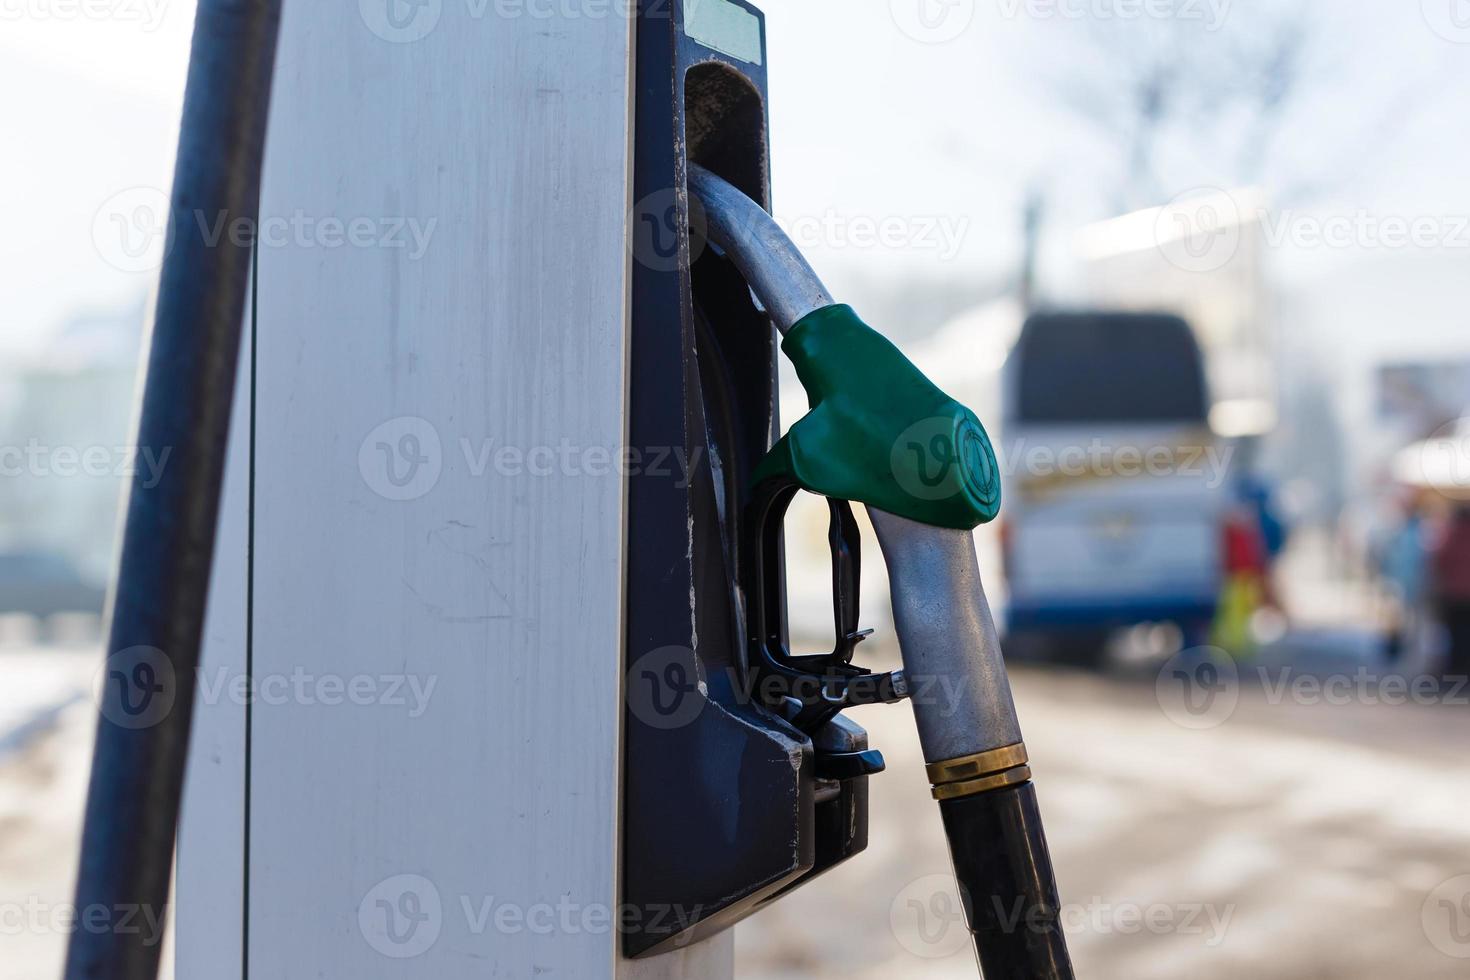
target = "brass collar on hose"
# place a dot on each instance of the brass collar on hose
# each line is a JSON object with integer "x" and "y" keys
{"x": 978, "y": 773}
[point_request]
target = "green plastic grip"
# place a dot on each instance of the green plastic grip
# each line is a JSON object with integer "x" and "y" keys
{"x": 879, "y": 432}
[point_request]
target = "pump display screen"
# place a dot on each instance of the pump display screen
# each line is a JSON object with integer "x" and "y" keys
{"x": 724, "y": 26}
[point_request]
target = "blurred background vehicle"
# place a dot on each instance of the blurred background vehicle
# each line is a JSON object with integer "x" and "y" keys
{"x": 1115, "y": 502}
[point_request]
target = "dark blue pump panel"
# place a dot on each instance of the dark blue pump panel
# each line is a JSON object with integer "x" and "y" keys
{"x": 723, "y": 809}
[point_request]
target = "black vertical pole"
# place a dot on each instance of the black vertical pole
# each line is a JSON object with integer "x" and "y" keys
{"x": 168, "y": 542}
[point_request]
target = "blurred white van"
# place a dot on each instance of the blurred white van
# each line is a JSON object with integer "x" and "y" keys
{"x": 1116, "y": 488}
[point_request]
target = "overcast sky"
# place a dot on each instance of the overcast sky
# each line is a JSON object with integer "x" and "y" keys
{"x": 940, "y": 121}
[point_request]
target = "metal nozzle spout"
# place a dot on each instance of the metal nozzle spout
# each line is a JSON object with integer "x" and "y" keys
{"x": 947, "y": 638}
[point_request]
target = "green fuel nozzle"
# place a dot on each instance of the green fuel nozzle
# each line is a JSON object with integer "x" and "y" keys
{"x": 881, "y": 434}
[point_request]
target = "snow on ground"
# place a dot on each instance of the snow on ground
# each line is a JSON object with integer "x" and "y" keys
{"x": 1300, "y": 837}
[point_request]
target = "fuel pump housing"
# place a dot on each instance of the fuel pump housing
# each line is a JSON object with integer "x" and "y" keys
{"x": 724, "y": 808}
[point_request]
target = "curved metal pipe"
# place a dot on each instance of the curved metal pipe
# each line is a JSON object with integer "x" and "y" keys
{"x": 777, "y": 273}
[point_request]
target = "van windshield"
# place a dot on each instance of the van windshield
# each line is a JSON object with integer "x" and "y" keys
{"x": 1109, "y": 367}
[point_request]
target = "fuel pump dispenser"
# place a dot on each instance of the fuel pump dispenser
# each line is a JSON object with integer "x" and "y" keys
{"x": 740, "y": 777}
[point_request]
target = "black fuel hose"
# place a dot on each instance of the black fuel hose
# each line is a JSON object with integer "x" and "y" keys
{"x": 158, "y": 607}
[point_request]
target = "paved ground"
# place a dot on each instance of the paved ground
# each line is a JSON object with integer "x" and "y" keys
{"x": 1287, "y": 835}
{"x": 1299, "y": 837}
{"x": 45, "y": 748}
